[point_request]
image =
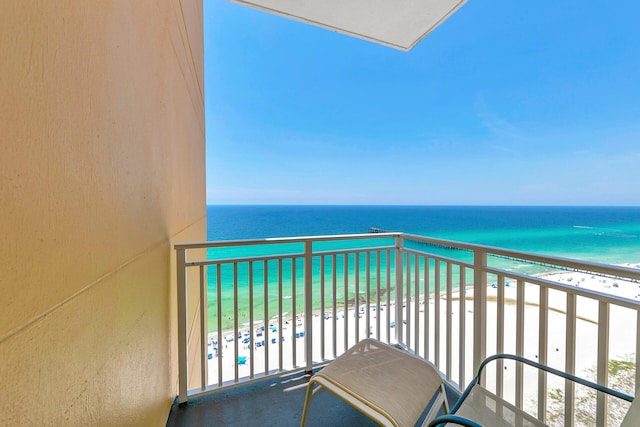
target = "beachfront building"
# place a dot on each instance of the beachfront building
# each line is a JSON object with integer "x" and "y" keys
{"x": 102, "y": 160}
{"x": 102, "y": 173}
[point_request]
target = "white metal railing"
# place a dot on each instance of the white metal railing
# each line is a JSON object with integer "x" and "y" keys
{"x": 293, "y": 303}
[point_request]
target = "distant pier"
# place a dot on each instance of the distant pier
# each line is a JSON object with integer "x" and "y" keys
{"x": 377, "y": 230}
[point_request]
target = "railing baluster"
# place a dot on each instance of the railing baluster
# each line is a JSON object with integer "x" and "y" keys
{"x": 519, "y": 343}
{"x": 183, "y": 322}
{"x": 334, "y": 283}
{"x": 345, "y": 312}
{"x": 308, "y": 304}
{"x": 416, "y": 304}
{"x": 235, "y": 320}
{"x": 399, "y": 284}
{"x": 570, "y": 360}
{"x": 322, "y": 308}
{"x": 388, "y": 294}
{"x": 406, "y": 312}
{"x": 500, "y": 338}
{"x": 479, "y": 307}
{"x": 219, "y": 304}
{"x": 203, "y": 331}
{"x": 252, "y": 334}
{"x": 427, "y": 303}
{"x": 448, "y": 321}
{"x": 436, "y": 312}
{"x": 543, "y": 337}
{"x": 378, "y": 266}
{"x": 356, "y": 297}
{"x": 603, "y": 363}
{"x": 294, "y": 312}
{"x": 367, "y": 308}
{"x": 280, "y": 325}
{"x": 463, "y": 321}
{"x": 265, "y": 284}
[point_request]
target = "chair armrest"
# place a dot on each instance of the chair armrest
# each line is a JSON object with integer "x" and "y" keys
{"x": 551, "y": 370}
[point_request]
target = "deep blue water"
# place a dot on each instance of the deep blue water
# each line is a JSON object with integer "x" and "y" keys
{"x": 602, "y": 234}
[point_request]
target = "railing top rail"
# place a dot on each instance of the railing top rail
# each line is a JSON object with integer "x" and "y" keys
{"x": 607, "y": 269}
{"x": 574, "y": 264}
{"x": 280, "y": 240}
{"x": 195, "y": 263}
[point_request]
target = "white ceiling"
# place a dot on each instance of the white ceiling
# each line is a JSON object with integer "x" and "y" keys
{"x": 400, "y": 24}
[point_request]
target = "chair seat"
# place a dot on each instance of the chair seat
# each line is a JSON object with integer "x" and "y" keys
{"x": 487, "y": 409}
{"x": 389, "y": 385}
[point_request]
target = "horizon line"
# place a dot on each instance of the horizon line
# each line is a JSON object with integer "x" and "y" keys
{"x": 419, "y": 205}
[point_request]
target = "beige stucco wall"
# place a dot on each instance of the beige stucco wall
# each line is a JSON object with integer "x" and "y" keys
{"x": 101, "y": 170}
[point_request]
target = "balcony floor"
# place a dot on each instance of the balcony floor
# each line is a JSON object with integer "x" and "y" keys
{"x": 270, "y": 402}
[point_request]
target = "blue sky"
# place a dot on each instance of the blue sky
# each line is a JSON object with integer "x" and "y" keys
{"x": 507, "y": 103}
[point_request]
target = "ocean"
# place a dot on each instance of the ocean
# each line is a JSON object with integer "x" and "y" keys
{"x": 599, "y": 234}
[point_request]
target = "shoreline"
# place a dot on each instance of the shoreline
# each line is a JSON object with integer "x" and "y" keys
{"x": 585, "y": 278}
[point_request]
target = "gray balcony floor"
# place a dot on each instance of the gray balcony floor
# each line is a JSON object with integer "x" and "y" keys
{"x": 270, "y": 402}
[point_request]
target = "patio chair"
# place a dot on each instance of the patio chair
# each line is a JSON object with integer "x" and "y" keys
{"x": 388, "y": 384}
{"x": 478, "y": 407}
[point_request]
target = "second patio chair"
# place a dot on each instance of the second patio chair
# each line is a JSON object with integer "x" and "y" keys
{"x": 477, "y": 406}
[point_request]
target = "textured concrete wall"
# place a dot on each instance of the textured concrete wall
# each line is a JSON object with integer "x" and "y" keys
{"x": 101, "y": 170}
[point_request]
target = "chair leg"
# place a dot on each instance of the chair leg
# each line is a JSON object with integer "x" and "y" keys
{"x": 307, "y": 400}
{"x": 446, "y": 401}
{"x": 439, "y": 402}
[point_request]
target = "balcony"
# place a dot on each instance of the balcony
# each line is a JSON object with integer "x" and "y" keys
{"x": 256, "y": 315}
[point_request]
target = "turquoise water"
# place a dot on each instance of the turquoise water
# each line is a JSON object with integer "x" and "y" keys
{"x": 600, "y": 234}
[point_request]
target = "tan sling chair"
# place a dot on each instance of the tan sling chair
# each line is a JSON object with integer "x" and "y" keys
{"x": 389, "y": 385}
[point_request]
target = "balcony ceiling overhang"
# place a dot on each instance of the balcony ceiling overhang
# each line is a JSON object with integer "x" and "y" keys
{"x": 400, "y": 24}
